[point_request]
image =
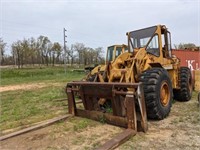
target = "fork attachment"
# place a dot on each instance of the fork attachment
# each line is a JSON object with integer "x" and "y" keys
{"x": 127, "y": 106}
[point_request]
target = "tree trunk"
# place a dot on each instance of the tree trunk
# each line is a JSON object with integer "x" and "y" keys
{"x": 50, "y": 58}
{"x": 47, "y": 61}
{"x": 72, "y": 61}
{"x": 18, "y": 62}
{"x": 18, "y": 59}
{"x": 53, "y": 59}
{"x": 32, "y": 58}
{"x": 22, "y": 61}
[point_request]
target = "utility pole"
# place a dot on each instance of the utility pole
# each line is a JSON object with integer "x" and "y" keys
{"x": 65, "y": 53}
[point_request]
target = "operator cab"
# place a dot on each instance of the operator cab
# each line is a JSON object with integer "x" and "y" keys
{"x": 114, "y": 51}
{"x": 153, "y": 39}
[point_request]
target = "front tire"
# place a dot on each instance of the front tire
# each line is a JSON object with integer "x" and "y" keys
{"x": 157, "y": 92}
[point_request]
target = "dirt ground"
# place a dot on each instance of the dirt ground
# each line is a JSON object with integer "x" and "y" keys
{"x": 25, "y": 86}
{"x": 180, "y": 130}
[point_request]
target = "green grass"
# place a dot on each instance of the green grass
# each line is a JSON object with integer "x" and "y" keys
{"x": 82, "y": 123}
{"x": 56, "y": 74}
{"x": 75, "y": 124}
{"x": 20, "y": 108}
{"x": 23, "y": 107}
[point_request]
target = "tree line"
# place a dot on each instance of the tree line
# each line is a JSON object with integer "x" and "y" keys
{"x": 190, "y": 46}
{"x": 42, "y": 51}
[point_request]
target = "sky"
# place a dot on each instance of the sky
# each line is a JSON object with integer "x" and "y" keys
{"x": 97, "y": 23}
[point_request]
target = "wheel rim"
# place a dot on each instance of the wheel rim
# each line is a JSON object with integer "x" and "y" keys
{"x": 164, "y": 94}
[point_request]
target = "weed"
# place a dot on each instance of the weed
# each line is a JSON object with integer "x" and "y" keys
{"x": 102, "y": 119}
{"x": 81, "y": 125}
{"x": 173, "y": 101}
{"x": 109, "y": 110}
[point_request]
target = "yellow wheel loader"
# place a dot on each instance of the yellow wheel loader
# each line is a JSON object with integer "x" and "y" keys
{"x": 139, "y": 83}
{"x": 112, "y": 53}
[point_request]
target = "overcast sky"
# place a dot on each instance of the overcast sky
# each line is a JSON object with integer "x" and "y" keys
{"x": 97, "y": 22}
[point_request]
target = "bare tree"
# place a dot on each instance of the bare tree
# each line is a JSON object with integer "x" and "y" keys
{"x": 2, "y": 50}
{"x": 98, "y": 54}
{"x": 33, "y": 50}
{"x": 91, "y": 54}
{"x": 70, "y": 54}
{"x": 56, "y": 51}
{"x": 26, "y": 52}
{"x": 17, "y": 53}
{"x": 79, "y": 48}
{"x": 45, "y": 47}
{"x": 21, "y": 52}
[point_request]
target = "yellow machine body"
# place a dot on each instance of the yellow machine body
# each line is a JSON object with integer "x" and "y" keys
{"x": 128, "y": 66}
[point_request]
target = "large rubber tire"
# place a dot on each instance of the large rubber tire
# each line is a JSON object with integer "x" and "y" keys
{"x": 157, "y": 92}
{"x": 185, "y": 82}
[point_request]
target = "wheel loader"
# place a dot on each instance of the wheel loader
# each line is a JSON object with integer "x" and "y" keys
{"x": 139, "y": 84}
{"x": 112, "y": 53}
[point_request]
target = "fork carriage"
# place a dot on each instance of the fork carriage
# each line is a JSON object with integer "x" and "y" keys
{"x": 127, "y": 103}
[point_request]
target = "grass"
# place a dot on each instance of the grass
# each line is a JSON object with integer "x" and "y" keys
{"x": 20, "y": 108}
{"x": 83, "y": 123}
{"x": 27, "y": 75}
{"x": 72, "y": 131}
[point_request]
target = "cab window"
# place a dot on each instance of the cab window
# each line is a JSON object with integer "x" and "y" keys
{"x": 110, "y": 53}
{"x": 118, "y": 51}
{"x": 153, "y": 46}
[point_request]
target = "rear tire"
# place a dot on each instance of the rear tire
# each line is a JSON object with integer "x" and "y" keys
{"x": 185, "y": 91}
{"x": 157, "y": 92}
